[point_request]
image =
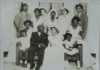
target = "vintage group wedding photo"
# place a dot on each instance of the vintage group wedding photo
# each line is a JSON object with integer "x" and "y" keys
{"x": 49, "y": 34}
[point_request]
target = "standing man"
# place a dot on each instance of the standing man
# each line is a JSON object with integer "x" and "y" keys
{"x": 20, "y": 18}
{"x": 84, "y": 20}
{"x": 38, "y": 43}
{"x": 36, "y": 18}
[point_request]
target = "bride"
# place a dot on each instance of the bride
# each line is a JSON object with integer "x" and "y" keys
{"x": 54, "y": 53}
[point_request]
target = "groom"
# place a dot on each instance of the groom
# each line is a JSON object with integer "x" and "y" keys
{"x": 38, "y": 43}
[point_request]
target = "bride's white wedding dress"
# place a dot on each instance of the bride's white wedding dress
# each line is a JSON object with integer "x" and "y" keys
{"x": 54, "y": 54}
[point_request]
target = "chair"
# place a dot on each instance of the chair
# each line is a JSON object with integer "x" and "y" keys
{"x": 76, "y": 57}
{"x": 17, "y": 54}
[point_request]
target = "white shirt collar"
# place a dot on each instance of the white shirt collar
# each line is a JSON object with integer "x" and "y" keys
{"x": 39, "y": 33}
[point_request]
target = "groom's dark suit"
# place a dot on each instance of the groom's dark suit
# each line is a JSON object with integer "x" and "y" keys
{"x": 38, "y": 43}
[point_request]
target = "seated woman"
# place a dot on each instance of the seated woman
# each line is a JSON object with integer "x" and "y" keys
{"x": 55, "y": 50}
{"x": 71, "y": 47}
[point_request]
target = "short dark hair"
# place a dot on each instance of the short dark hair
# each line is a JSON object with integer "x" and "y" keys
{"x": 66, "y": 10}
{"x": 28, "y": 21}
{"x": 66, "y": 34}
{"x": 22, "y": 5}
{"x": 37, "y": 9}
{"x": 43, "y": 9}
{"x": 79, "y": 5}
{"x": 75, "y": 18}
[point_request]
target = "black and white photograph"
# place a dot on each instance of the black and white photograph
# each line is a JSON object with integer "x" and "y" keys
{"x": 49, "y": 34}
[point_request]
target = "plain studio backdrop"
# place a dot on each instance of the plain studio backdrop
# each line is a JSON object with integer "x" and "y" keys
{"x": 9, "y": 8}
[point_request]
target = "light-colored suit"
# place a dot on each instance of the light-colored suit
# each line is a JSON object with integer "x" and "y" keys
{"x": 20, "y": 18}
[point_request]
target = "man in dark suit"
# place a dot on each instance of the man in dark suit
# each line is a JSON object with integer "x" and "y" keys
{"x": 38, "y": 43}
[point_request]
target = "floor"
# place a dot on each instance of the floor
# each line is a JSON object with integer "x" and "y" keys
{"x": 12, "y": 66}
